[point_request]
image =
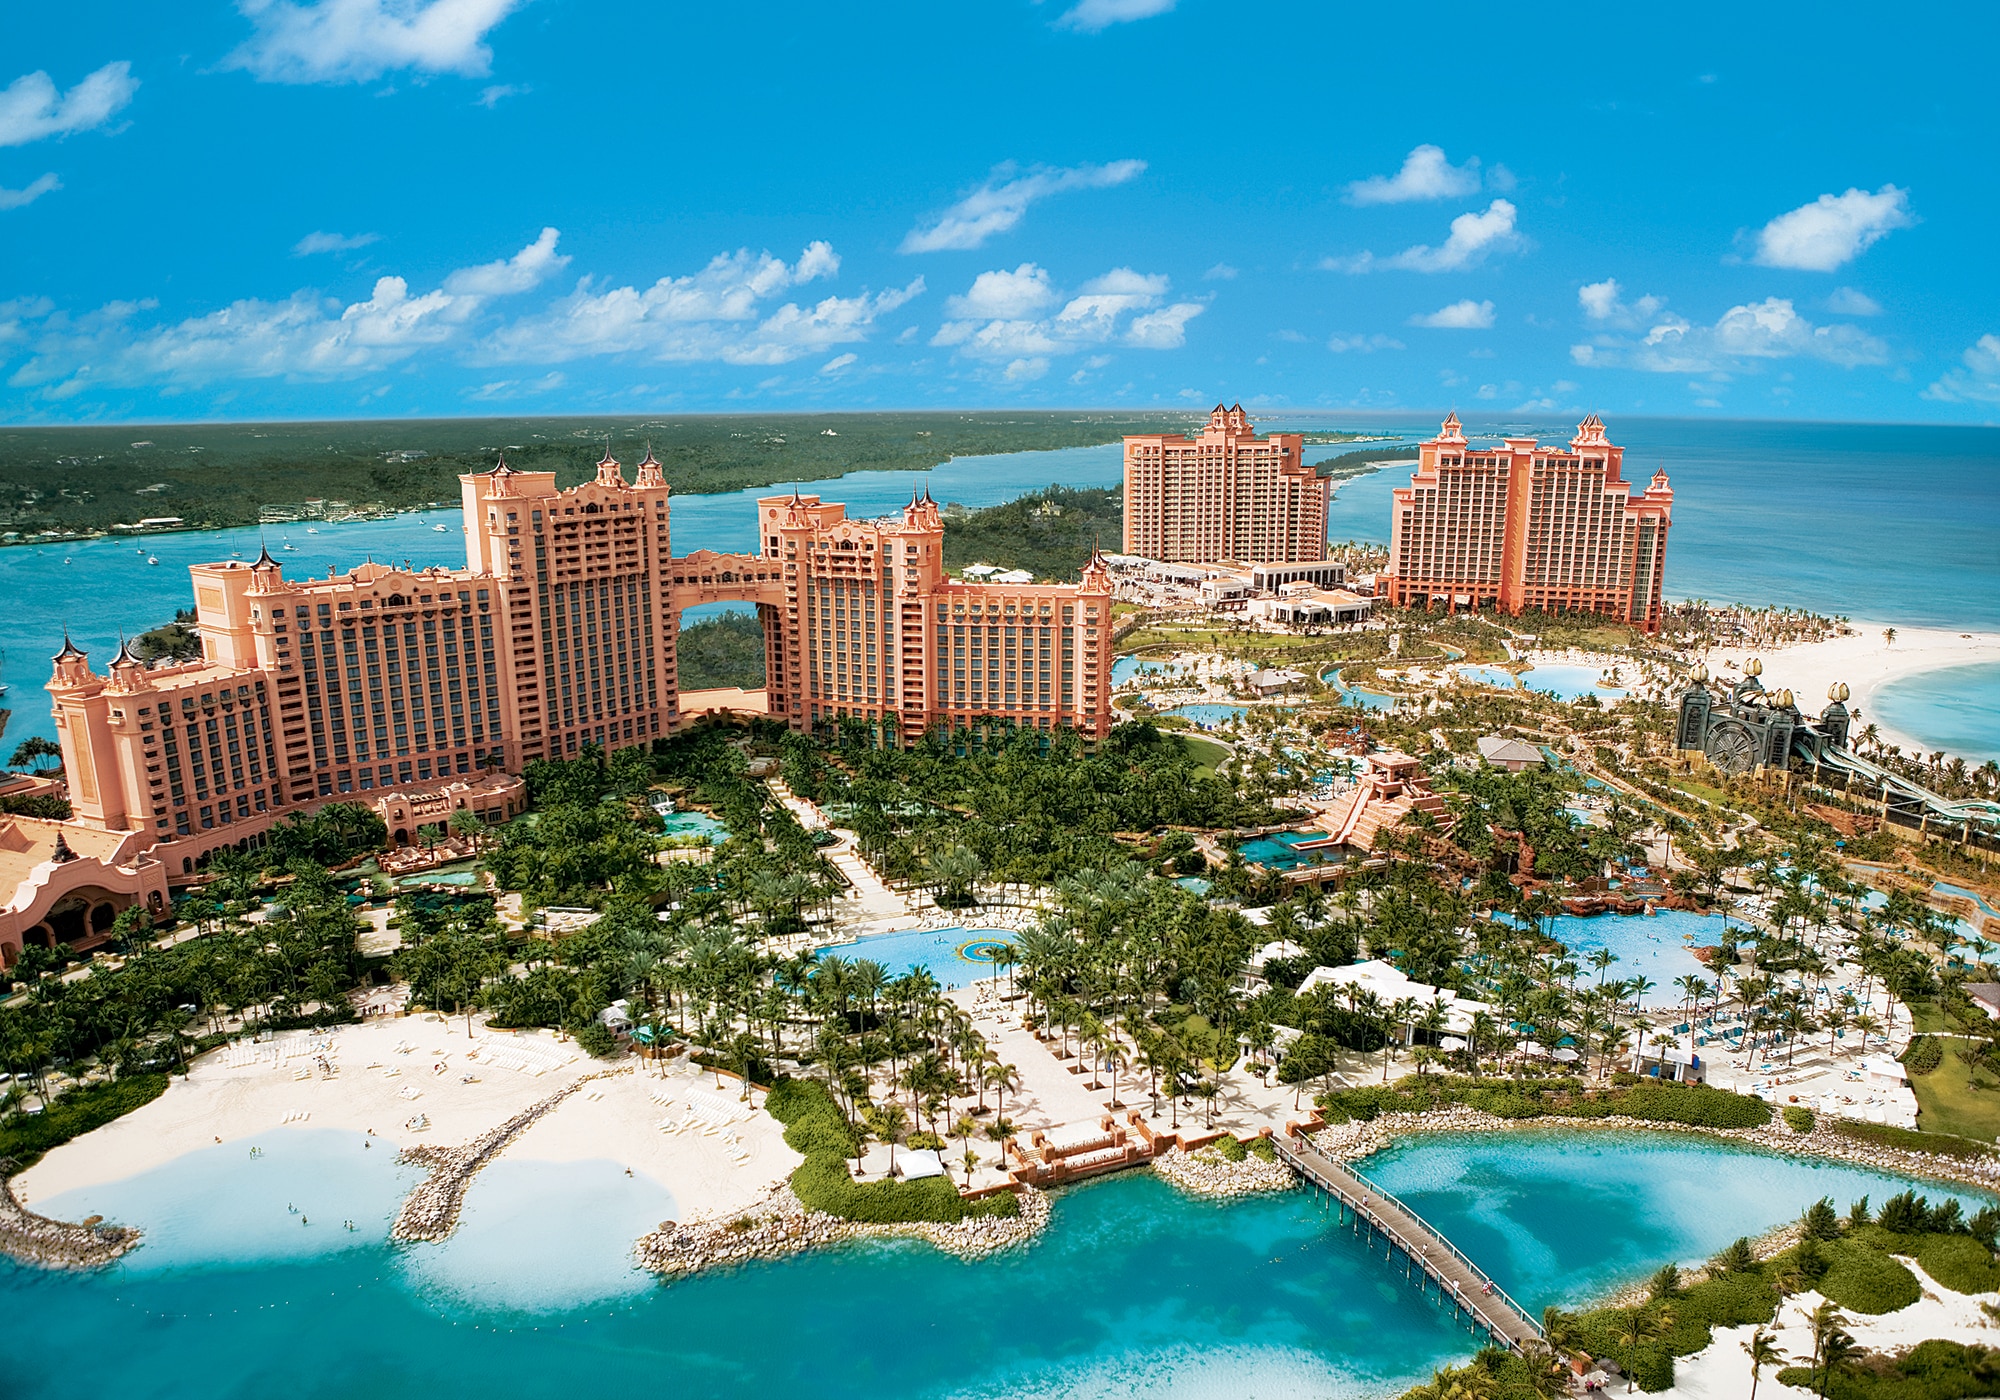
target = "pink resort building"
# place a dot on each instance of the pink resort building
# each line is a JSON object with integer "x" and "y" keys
{"x": 1226, "y": 496}
{"x": 419, "y": 692}
{"x": 1519, "y": 525}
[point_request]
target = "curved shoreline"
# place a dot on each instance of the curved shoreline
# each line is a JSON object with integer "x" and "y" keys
{"x": 28, "y": 1238}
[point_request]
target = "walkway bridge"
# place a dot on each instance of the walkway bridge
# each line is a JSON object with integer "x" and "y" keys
{"x": 1428, "y": 1257}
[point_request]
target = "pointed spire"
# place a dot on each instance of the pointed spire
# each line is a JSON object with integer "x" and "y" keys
{"x": 126, "y": 656}
{"x": 649, "y": 460}
{"x": 500, "y": 468}
{"x": 70, "y": 651}
{"x": 264, "y": 559}
{"x": 62, "y": 855}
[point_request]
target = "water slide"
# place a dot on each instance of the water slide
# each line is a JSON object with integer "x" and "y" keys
{"x": 1908, "y": 795}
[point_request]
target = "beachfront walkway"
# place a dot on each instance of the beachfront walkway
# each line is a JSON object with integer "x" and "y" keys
{"x": 870, "y": 900}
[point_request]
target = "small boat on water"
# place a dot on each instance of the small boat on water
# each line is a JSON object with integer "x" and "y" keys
{"x": 152, "y": 558}
{"x": 311, "y": 531}
{"x": 291, "y": 547}
{"x": 440, "y": 529}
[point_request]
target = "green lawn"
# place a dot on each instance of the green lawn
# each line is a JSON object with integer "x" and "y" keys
{"x": 1948, "y": 1102}
{"x": 1205, "y": 752}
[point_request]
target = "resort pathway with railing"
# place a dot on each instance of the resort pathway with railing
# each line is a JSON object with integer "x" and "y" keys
{"x": 1459, "y": 1281}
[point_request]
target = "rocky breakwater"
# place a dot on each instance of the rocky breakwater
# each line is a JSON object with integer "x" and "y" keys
{"x": 1350, "y": 1142}
{"x": 1206, "y": 1172}
{"x": 780, "y": 1225}
{"x": 430, "y": 1212}
{"x": 28, "y": 1238}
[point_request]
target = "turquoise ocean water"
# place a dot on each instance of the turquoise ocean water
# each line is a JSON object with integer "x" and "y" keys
{"x": 1135, "y": 1290}
{"x": 1888, "y": 523}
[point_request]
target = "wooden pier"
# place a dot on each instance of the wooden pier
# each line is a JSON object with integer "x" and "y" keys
{"x": 1428, "y": 1256}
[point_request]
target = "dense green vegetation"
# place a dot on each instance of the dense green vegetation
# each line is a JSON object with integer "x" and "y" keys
{"x": 1846, "y": 1260}
{"x": 24, "y": 1138}
{"x": 221, "y": 474}
{"x": 1050, "y": 533}
{"x": 720, "y": 652}
{"x": 1691, "y": 1105}
{"x": 816, "y": 1127}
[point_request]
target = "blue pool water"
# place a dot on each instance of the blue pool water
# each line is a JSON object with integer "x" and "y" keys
{"x": 957, "y": 957}
{"x": 1126, "y": 668}
{"x": 1652, "y": 946}
{"x": 1957, "y": 710}
{"x": 1135, "y": 1289}
{"x": 1210, "y": 715}
{"x": 1277, "y": 851}
{"x": 695, "y": 824}
{"x": 1487, "y": 675}
{"x": 1568, "y": 682}
{"x": 1354, "y": 695}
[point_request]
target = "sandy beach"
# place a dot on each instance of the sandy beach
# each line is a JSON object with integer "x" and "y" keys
{"x": 1722, "y": 1370}
{"x": 385, "y": 1078}
{"x": 1865, "y": 662}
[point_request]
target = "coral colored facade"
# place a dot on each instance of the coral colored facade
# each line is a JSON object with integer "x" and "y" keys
{"x": 560, "y": 632}
{"x": 1224, "y": 496}
{"x": 1521, "y": 525}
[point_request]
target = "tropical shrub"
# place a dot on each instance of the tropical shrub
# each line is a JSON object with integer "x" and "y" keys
{"x": 1925, "y": 1054}
{"x": 816, "y": 1128}
{"x": 1932, "y": 1370}
{"x": 1799, "y": 1120}
{"x": 1959, "y": 1262}
{"x": 1910, "y": 1140}
{"x": 25, "y": 1137}
{"x": 1230, "y": 1149}
{"x": 1865, "y": 1280}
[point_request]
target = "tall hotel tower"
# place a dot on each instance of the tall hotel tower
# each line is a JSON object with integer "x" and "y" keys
{"x": 1521, "y": 525}
{"x": 1227, "y": 496}
{"x": 407, "y": 689}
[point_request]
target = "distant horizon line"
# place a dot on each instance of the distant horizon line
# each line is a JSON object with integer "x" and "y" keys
{"x": 1255, "y": 410}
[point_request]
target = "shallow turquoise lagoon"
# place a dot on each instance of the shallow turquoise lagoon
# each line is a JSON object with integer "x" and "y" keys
{"x": 1957, "y": 710}
{"x": 1135, "y": 1290}
{"x": 1354, "y": 695}
{"x": 957, "y": 957}
{"x": 1279, "y": 850}
{"x": 1555, "y": 1215}
{"x": 1568, "y": 682}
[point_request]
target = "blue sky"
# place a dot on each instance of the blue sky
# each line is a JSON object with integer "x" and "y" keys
{"x": 342, "y": 208}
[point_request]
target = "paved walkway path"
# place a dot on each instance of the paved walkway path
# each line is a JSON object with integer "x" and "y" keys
{"x": 872, "y": 899}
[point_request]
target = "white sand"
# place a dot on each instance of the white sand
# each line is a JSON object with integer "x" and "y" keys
{"x": 217, "y": 1102}
{"x": 1722, "y": 1372}
{"x": 1866, "y": 663}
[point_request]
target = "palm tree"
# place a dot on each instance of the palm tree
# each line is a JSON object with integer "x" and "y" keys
{"x": 1763, "y": 1352}
{"x": 1642, "y": 1325}
{"x": 34, "y": 751}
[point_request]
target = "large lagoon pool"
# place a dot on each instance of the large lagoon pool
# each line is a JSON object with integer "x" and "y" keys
{"x": 957, "y": 957}
{"x": 1209, "y": 716}
{"x": 1135, "y": 1290}
{"x": 1956, "y": 709}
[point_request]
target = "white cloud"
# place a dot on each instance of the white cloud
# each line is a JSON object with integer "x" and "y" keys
{"x": 1364, "y": 344}
{"x": 1003, "y": 295}
{"x": 1771, "y": 329}
{"x": 1604, "y": 302}
{"x": 1978, "y": 378}
{"x": 31, "y": 109}
{"x": 341, "y": 41}
{"x": 332, "y": 243}
{"x": 520, "y": 273}
{"x": 1089, "y": 16}
{"x": 1002, "y": 202}
{"x": 1221, "y": 272}
{"x": 1426, "y": 174}
{"x": 719, "y": 313}
{"x": 1021, "y": 371}
{"x": 839, "y": 363}
{"x": 1472, "y": 238}
{"x": 501, "y": 389}
{"x": 35, "y": 189}
{"x": 307, "y": 336}
{"x": 1165, "y": 329}
{"x": 493, "y": 96}
{"x": 1467, "y": 315}
{"x": 1000, "y": 316}
{"x": 1850, "y": 301}
{"x": 1833, "y": 229}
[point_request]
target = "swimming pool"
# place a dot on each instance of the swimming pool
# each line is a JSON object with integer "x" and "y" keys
{"x": 1652, "y": 946}
{"x": 1487, "y": 675}
{"x": 1210, "y": 715}
{"x": 957, "y": 957}
{"x": 1353, "y": 695}
{"x": 694, "y": 824}
{"x": 1567, "y": 682}
{"x": 1127, "y": 668}
{"x": 1278, "y": 851}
